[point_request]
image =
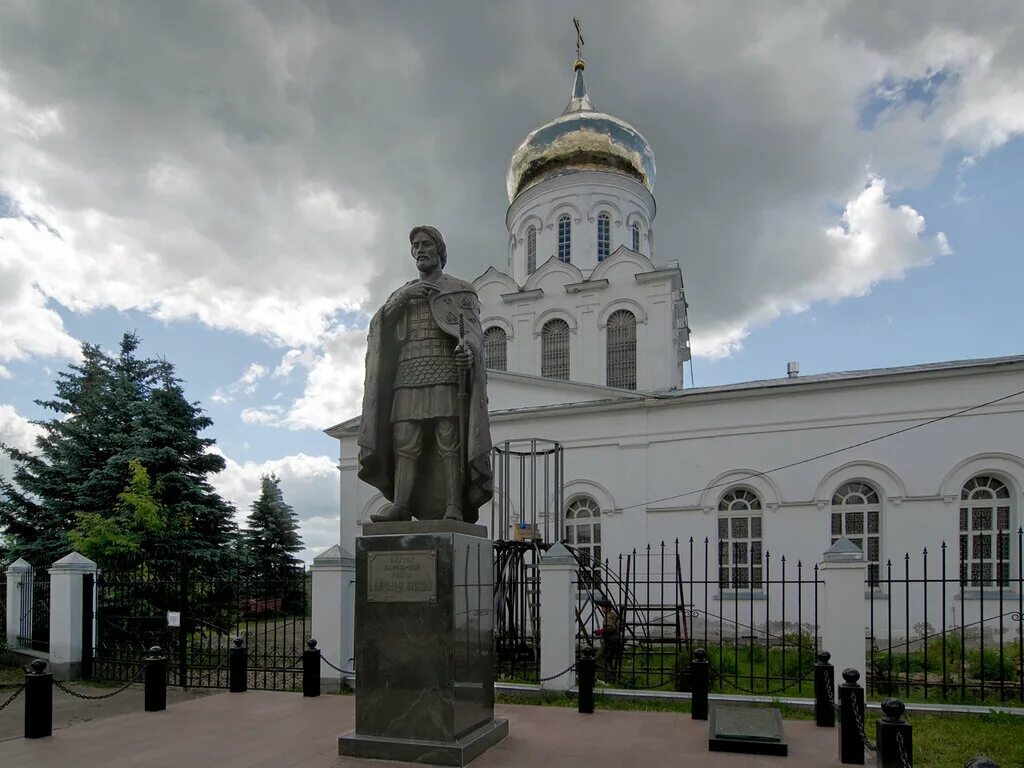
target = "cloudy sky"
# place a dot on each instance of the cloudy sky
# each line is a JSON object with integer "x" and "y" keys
{"x": 840, "y": 181}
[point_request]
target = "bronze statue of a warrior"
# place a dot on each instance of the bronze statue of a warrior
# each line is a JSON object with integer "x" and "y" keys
{"x": 425, "y": 440}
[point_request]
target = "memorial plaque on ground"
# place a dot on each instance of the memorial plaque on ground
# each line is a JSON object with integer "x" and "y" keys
{"x": 751, "y": 730}
{"x": 402, "y": 577}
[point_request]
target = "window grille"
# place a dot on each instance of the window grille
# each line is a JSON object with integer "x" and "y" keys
{"x": 531, "y": 250}
{"x": 621, "y": 364}
{"x": 856, "y": 514}
{"x": 636, "y": 237}
{"x": 496, "y": 348}
{"x": 739, "y": 540}
{"x": 564, "y": 239}
{"x": 604, "y": 236}
{"x": 984, "y": 532}
{"x": 555, "y": 350}
{"x": 583, "y": 529}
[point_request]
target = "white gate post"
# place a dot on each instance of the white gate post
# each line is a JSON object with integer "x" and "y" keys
{"x": 17, "y": 602}
{"x": 557, "y": 617}
{"x": 844, "y": 572}
{"x": 66, "y": 614}
{"x": 334, "y": 577}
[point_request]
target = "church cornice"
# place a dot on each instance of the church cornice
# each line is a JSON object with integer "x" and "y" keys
{"x": 586, "y": 285}
{"x": 523, "y": 295}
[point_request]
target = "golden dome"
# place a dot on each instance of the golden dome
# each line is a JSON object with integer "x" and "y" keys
{"x": 580, "y": 139}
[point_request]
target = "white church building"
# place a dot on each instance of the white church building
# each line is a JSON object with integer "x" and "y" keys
{"x": 586, "y": 333}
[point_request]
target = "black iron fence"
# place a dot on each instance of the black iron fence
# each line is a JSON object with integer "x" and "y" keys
{"x": 517, "y": 610}
{"x": 646, "y": 612}
{"x": 34, "y": 598}
{"x": 947, "y": 626}
{"x": 3, "y": 609}
{"x": 195, "y": 615}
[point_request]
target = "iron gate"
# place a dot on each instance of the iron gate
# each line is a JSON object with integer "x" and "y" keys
{"x": 194, "y": 616}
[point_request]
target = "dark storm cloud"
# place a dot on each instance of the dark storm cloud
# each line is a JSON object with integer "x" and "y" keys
{"x": 279, "y": 153}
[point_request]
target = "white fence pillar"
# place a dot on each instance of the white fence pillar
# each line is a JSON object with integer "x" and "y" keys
{"x": 843, "y": 572}
{"x": 66, "y": 614}
{"x": 19, "y": 599}
{"x": 334, "y": 578}
{"x": 557, "y": 617}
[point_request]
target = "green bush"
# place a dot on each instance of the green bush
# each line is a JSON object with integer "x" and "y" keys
{"x": 987, "y": 665}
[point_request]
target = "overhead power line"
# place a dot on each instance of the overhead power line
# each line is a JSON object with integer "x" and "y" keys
{"x": 792, "y": 464}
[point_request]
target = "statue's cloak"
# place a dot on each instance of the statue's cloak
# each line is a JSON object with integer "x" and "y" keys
{"x": 376, "y": 440}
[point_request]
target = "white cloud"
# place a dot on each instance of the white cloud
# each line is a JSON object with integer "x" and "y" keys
{"x": 17, "y": 432}
{"x": 309, "y": 484}
{"x": 334, "y": 384}
{"x": 873, "y": 241}
{"x": 246, "y": 384}
{"x": 258, "y": 169}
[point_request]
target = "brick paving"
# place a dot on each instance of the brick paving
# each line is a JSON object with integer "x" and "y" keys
{"x": 264, "y": 729}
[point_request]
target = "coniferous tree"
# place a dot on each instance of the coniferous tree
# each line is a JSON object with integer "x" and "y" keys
{"x": 271, "y": 537}
{"x": 110, "y": 411}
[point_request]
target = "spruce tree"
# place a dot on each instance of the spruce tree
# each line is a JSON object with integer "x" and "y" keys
{"x": 111, "y": 411}
{"x": 271, "y": 535}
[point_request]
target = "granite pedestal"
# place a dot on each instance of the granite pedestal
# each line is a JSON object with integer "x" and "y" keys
{"x": 424, "y": 634}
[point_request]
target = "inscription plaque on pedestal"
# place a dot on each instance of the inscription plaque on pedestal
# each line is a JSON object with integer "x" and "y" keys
{"x": 402, "y": 576}
{"x": 751, "y": 730}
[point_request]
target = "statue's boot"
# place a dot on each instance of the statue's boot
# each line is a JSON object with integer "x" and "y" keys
{"x": 451, "y": 471}
{"x": 405, "y": 478}
{"x": 392, "y": 513}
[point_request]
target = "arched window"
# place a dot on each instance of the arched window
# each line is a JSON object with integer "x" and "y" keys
{"x": 739, "y": 540}
{"x": 496, "y": 348}
{"x": 554, "y": 350}
{"x": 856, "y": 514}
{"x": 583, "y": 528}
{"x": 636, "y": 236}
{"x": 620, "y": 369}
{"x": 564, "y": 238}
{"x": 531, "y": 250}
{"x": 604, "y": 236}
{"x": 984, "y": 517}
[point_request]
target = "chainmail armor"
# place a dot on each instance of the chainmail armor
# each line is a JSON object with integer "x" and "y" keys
{"x": 427, "y": 356}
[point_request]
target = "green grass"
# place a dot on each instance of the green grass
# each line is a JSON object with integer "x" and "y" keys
{"x": 940, "y": 741}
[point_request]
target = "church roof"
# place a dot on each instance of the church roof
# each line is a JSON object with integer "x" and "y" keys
{"x": 618, "y": 398}
{"x": 580, "y": 139}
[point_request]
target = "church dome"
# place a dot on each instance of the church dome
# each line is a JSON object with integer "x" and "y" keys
{"x": 580, "y": 139}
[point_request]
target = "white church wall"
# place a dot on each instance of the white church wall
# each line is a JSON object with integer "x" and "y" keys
{"x": 645, "y": 454}
{"x": 583, "y": 195}
{"x": 558, "y": 290}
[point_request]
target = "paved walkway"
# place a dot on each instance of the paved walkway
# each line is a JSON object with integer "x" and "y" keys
{"x": 262, "y": 728}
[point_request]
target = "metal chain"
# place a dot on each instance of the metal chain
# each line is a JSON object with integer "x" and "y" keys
{"x": 772, "y": 692}
{"x": 334, "y": 667}
{"x": 860, "y": 727}
{"x": 78, "y": 695}
{"x": 570, "y": 668}
{"x": 13, "y": 696}
{"x": 903, "y": 754}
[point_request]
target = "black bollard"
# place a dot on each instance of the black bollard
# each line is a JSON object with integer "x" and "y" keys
{"x": 238, "y": 673}
{"x": 851, "y": 719}
{"x": 824, "y": 688}
{"x": 38, "y": 701}
{"x": 700, "y": 683}
{"x": 586, "y": 671}
{"x": 311, "y": 670}
{"x": 892, "y": 736}
{"x": 156, "y": 680}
